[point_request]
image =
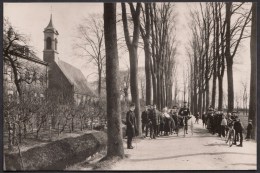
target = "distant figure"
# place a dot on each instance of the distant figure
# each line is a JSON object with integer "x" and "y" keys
{"x": 161, "y": 122}
{"x": 154, "y": 122}
{"x": 223, "y": 126}
{"x": 167, "y": 122}
{"x": 219, "y": 120}
{"x": 174, "y": 115}
{"x": 184, "y": 112}
{"x": 145, "y": 120}
{"x": 197, "y": 116}
{"x": 249, "y": 130}
{"x": 204, "y": 119}
{"x": 239, "y": 132}
{"x": 130, "y": 126}
{"x": 210, "y": 120}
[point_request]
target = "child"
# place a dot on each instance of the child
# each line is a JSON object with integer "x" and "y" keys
{"x": 231, "y": 135}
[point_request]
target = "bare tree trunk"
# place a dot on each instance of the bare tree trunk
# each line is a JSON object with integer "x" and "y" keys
{"x": 253, "y": 79}
{"x": 207, "y": 93}
{"x": 229, "y": 59}
{"x": 148, "y": 75}
{"x": 134, "y": 86}
{"x": 220, "y": 93}
{"x": 132, "y": 48}
{"x": 114, "y": 132}
{"x": 154, "y": 88}
{"x": 99, "y": 80}
{"x": 147, "y": 52}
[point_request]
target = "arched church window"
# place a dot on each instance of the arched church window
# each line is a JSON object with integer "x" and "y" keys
{"x": 56, "y": 42}
{"x": 48, "y": 43}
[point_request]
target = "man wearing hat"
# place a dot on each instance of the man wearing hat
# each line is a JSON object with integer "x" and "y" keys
{"x": 249, "y": 130}
{"x": 154, "y": 122}
{"x": 239, "y": 131}
{"x": 130, "y": 126}
{"x": 185, "y": 112}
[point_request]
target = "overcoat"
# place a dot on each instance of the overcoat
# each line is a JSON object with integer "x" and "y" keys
{"x": 130, "y": 123}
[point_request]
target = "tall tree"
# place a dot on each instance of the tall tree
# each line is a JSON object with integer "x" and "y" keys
{"x": 253, "y": 85}
{"x": 145, "y": 33}
{"x": 132, "y": 45}
{"x": 114, "y": 132}
{"x": 163, "y": 48}
{"x": 234, "y": 35}
{"x": 90, "y": 43}
{"x": 229, "y": 59}
{"x": 221, "y": 57}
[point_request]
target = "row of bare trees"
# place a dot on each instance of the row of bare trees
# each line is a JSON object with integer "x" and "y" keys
{"x": 155, "y": 22}
{"x": 214, "y": 44}
{"x": 218, "y": 29}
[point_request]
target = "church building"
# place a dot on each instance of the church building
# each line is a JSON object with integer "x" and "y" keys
{"x": 64, "y": 80}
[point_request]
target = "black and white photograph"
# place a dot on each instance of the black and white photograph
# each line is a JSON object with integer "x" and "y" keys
{"x": 129, "y": 86}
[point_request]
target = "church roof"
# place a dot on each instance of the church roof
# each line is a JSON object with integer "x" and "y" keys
{"x": 76, "y": 78}
{"x": 51, "y": 27}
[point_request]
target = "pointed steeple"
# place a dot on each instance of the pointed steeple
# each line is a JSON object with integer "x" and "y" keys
{"x": 50, "y": 26}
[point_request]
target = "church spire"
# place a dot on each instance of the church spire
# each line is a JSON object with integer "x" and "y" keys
{"x": 50, "y": 25}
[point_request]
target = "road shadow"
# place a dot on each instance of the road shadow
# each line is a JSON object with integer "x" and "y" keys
{"x": 246, "y": 164}
{"x": 189, "y": 155}
{"x": 216, "y": 144}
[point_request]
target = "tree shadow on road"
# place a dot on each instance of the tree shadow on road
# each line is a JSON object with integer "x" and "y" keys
{"x": 188, "y": 155}
{"x": 216, "y": 144}
{"x": 246, "y": 164}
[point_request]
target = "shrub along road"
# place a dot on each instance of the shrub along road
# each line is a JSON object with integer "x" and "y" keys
{"x": 200, "y": 151}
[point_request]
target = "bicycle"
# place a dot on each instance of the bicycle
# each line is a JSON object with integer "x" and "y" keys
{"x": 230, "y": 136}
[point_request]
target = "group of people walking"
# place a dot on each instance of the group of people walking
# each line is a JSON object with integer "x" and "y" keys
{"x": 228, "y": 126}
{"x": 156, "y": 123}
{"x": 169, "y": 121}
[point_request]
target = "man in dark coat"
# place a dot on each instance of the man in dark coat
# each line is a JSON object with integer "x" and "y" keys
{"x": 130, "y": 126}
{"x": 210, "y": 119}
{"x": 197, "y": 116}
{"x": 219, "y": 119}
{"x": 249, "y": 130}
{"x": 185, "y": 112}
{"x": 151, "y": 125}
{"x": 155, "y": 122}
{"x": 239, "y": 132}
{"x": 204, "y": 119}
{"x": 145, "y": 120}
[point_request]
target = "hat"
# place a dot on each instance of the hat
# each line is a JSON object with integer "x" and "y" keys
{"x": 249, "y": 120}
{"x": 174, "y": 107}
{"x": 132, "y": 104}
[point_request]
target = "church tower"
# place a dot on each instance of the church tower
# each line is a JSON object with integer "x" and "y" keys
{"x": 50, "y": 51}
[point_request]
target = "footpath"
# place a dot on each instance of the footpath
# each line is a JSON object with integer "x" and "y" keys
{"x": 200, "y": 151}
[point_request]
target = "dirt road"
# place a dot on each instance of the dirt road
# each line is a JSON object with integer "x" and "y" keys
{"x": 200, "y": 151}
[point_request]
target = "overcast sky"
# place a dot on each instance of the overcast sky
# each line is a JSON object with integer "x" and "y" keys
{"x": 31, "y": 19}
